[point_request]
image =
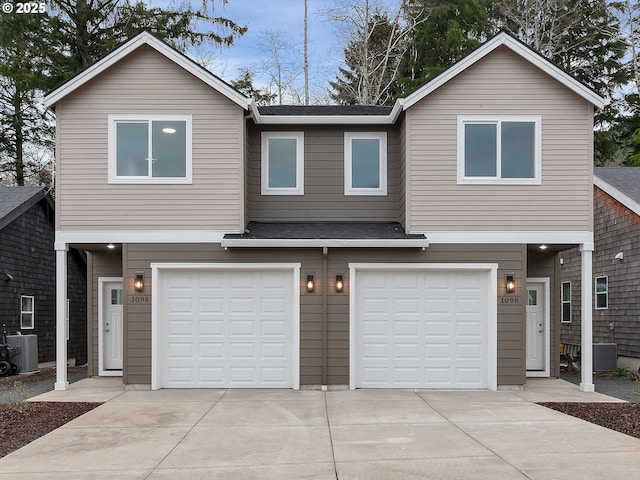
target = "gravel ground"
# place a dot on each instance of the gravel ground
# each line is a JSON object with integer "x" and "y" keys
{"x": 35, "y": 383}
{"x": 607, "y": 383}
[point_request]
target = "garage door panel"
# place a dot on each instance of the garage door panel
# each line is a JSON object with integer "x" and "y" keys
{"x": 421, "y": 328}
{"x": 240, "y": 334}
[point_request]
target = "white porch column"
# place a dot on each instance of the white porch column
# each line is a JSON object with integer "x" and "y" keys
{"x": 61, "y": 321}
{"x": 586, "y": 350}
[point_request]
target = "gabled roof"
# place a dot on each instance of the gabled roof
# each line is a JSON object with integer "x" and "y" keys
{"x": 14, "y": 201}
{"x": 504, "y": 39}
{"x": 145, "y": 38}
{"x": 621, "y": 183}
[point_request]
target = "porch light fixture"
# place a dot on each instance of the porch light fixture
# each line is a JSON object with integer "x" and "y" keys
{"x": 111, "y": 246}
{"x": 543, "y": 247}
{"x": 310, "y": 284}
{"x": 339, "y": 284}
{"x": 510, "y": 283}
{"x": 138, "y": 283}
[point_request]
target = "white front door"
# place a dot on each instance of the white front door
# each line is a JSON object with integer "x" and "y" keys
{"x": 536, "y": 325}
{"x": 112, "y": 327}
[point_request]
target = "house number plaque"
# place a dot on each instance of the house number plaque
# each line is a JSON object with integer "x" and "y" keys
{"x": 139, "y": 298}
{"x": 509, "y": 300}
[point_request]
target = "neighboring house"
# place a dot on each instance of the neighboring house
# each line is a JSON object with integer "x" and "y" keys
{"x": 378, "y": 247}
{"x": 616, "y": 267}
{"x": 27, "y": 282}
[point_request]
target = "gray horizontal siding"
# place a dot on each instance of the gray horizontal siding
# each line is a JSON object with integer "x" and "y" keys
{"x": 324, "y": 198}
{"x": 147, "y": 83}
{"x": 501, "y": 84}
{"x": 511, "y": 258}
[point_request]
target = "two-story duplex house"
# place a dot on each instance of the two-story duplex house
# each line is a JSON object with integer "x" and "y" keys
{"x": 232, "y": 245}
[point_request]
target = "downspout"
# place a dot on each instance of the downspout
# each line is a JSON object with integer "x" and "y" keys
{"x": 325, "y": 316}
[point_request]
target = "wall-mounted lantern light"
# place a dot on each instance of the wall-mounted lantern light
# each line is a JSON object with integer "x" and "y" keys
{"x": 310, "y": 284}
{"x": 138, "y": 283}
{"x": 510, "y": 283}
{"x": 339, "y": 284}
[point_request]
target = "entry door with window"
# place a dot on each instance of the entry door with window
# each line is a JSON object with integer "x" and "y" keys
{"x": 112, "y": 327}
{"x": 535, "y": 327}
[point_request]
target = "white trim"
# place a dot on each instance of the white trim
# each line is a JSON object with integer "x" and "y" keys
{"x": 492, "y": 308}
{"x": 319, "y": 242}
{"x": 518, "y": 48}
{"x": 382, "y": 163}
{"x": 562, "y": 302}
{"x": 616, "y": 194}
{"x": 156, "y": 310}
{"x": 596, "y": 293}
{"x": 140, "y": 236}
{"x": 32, "y": 312}
{"x": 145, "y": 38}
{"x": 113, "y": 177}
{"x": 586, "y": 324}
{"x": 264, "y": 163}
{"x": 498, "y": 120}
{"x": 546, "y": 286}
{"x": 101, "y": 285}
{"x": 62, "y": 382}
{"x": 497, "y": 237}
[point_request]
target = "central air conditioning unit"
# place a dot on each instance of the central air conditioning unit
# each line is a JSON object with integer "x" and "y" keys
{"x": 605, "y": 357}
{"x": 27, "y": 357}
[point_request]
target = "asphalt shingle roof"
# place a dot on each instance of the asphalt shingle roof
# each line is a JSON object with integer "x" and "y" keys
{"x": 624, "y": 179}
{"x": 326, "y": 230}
{"x": 326, "y": 110}
{"x": 12, "y": 198}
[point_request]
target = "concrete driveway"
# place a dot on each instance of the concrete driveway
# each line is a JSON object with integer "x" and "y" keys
{"x": 309, "y": 434}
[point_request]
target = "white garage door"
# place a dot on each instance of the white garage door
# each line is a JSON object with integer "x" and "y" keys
{"x": 226, "y": 328}
{"x": 421, "y": 329}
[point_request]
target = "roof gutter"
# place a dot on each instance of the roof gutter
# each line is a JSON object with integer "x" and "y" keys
{"x": 324, "y": 242}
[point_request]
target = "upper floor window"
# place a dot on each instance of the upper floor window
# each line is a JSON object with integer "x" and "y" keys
{"x": 499, "y": 150}
{"x": 602, "y": 293}
{"x": 365, "y": 163}
{"x": 27, "y": 312}
{"x": 149, "y": 149}
{"x": 566, "y": 302}
{"x": 282, "y": 163}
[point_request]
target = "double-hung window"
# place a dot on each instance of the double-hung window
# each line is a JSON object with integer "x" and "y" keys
{"x": 566, "y": 302}
{"x": 365, "y": 163}
{"x": 149, "y": 149}
{"x": 282, "y": 163}
{"x": 602, "y": 293}
{"x": 493, "y": 150}
{"x": 27, "y": 312}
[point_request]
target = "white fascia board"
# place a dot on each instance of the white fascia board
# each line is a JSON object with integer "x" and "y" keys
{"x": 617, "y": 194}
{"x": 329, "y": 243}
{"x": 510, "y": 237}
{"x": 324, "y": 119}
{"x": 525, "y": 52}
{"x": 141, "y": 236}
{"x": 145, "y": 38}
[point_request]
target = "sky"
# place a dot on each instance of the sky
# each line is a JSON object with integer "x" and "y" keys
{"x": 286, "y": 17}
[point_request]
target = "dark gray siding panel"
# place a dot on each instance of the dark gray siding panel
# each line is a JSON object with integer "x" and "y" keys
{"x": 324, "y": 198}
{"x": 512, "y": 258}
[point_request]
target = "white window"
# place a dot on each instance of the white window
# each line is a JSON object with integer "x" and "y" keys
{"x": 149, "y": 149}
{"x": 365, "y": 163}
{"x": 27, "y": 310}
{"x": 499, "y": 150}
{"x": 602, "y": 293}
{"x": 282, "y": 163}
{"x": 566, "y": 302}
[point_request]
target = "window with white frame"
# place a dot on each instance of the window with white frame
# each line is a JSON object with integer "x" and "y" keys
{"x": 27, "y": 312}
{"x": 365, "y": 163}
{"x": 566, "y": 302}
{"x": 602, "y": 293}
{"x": 149, "y": 149}
{"x": 499, "y": 149}
{"x": 282, "y": 163}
